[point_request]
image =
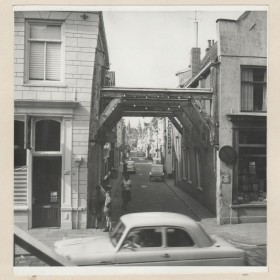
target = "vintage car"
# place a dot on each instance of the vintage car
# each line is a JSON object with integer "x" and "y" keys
{"x": 152, "y": 239}
{"x": 130, "y": 166}
{"x": 157, "y": 170}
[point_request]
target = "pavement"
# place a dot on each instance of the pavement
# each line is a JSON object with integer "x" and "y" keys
{"x": 251, "y": 236}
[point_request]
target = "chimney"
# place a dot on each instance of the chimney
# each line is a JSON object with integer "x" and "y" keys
{"x": 195, "y": 61}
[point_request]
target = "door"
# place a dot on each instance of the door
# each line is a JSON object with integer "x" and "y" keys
{"x": 46, "y": 191}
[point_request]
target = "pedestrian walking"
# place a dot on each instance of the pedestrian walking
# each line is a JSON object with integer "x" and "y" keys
{"x": 107, "y": 208}
{"x": 126, "y": 191}
{"x": 124, "y": 168}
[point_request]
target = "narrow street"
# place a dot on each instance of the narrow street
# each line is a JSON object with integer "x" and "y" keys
{"x": 148, "y": 195}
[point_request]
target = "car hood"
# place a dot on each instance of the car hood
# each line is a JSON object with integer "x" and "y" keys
{"x": 80, "y": 249}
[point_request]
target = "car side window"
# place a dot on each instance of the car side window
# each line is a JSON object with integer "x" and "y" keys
{"x": 177, "y": 237}
{"x": 143, "y": 238}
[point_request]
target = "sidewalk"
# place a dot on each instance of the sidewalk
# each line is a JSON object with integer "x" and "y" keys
{"x": 251, "y": 234}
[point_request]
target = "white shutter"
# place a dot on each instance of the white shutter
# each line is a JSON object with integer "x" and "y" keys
{"x": 53, "y": 58}
{"x": 36, "y": 61}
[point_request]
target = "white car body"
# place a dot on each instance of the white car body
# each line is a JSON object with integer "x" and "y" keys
{"x": 131, "y": 168}
{"x": 113, "y": 249}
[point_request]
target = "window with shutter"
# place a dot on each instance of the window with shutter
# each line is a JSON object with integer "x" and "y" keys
{"x": 44, "y": 52}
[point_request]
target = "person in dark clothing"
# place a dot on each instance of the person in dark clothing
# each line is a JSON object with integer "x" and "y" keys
{"x": 124, "y": 168}
{"x": 126, "y": 191}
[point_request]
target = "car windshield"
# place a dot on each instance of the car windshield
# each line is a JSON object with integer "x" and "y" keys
{"x": 117, "y": 233}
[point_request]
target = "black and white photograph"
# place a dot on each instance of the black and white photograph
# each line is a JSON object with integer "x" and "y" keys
{"x": 140, "y": 137}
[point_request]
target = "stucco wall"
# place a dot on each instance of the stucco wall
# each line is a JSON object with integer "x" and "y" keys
{"x": 240, "y": 43}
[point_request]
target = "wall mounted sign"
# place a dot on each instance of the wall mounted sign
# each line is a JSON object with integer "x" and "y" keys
{"x": 226, "y": 178}
{"x": 227, "y": 154}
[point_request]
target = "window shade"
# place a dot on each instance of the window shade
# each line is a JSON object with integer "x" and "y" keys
{"x": 36, "y": 61}
{"x": 45, "y": 52}
{"x": 53, "y": 61}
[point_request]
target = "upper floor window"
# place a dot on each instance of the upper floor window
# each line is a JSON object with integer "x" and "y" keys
{"x": 253, "y": 89}
{"x": 44, "y": 52}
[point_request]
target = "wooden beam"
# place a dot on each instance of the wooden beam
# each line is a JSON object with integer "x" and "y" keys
{"x": 147, "y": 113}
{"x": 156, "y": 93}
{"x": 192, "y": 115}
{"x": 176, "y": 124}
{"x": 108, "y": 111}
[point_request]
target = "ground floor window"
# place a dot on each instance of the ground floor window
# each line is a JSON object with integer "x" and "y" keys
{"x": 251, "y": 166}
{"x": 19, "y": 147}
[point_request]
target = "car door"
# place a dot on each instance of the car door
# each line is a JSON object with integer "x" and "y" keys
{"x": 181, "y": 249}
{"x": 147, "y": 250}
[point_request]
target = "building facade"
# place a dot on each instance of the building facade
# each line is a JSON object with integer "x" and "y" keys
{"x": 229, "y": 157}
{"x": 60, "y": 61}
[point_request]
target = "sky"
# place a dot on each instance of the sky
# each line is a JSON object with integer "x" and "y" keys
{"x": 147, "y": 48}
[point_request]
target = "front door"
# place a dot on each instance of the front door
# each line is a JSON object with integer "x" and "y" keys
{"x": 46, "y": 191}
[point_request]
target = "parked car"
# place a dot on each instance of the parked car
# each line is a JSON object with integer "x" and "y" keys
{"x": 131, "y": 168}
{"x": 157, "y": 169}
{"x": 153, "y": 239}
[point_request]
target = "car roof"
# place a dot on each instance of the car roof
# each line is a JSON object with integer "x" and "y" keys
{"x": 149, "y": 219}
{"x": 157, "y": 219}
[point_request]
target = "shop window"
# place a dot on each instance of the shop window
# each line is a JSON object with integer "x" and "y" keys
{"x": 47, "y": 136}
{"x": 253, "y": 89}
{"x": 19, "y": 150}
{"x": 252, "y": 166}
{"x": 44, "y": 52}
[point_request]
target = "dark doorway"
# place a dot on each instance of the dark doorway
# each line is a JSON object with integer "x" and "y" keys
{"x": 46, "y": 191}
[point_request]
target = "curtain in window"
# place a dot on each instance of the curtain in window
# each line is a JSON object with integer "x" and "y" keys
{"x": 247, "y": 90}
{"x": 264, "y": 108}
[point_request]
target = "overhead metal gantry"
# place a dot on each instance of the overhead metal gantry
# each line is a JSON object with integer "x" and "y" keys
{"x": 118, "y": 102}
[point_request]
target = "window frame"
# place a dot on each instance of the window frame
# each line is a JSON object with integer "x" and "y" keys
{"x": 29, "y": 82}
{"x": 33, "y": 133}
{"x": 263, "y": 83}
{"x": 236, "y": 134}
{"x": 162, "y": 231}
{"x": 178, "y": 228}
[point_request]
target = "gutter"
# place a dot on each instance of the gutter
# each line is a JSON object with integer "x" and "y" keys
{"x": 200, "y": 73}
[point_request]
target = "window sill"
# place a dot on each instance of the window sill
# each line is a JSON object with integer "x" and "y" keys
{"x": 253, "y": 204}
{"x": 44, "y": 85}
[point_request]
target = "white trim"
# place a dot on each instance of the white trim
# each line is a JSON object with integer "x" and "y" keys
{"x": 27, "y": 81}
{"x": 21, "y": 208}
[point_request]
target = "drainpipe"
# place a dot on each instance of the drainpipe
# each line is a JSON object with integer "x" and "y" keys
{"x": 78, "y": 161}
